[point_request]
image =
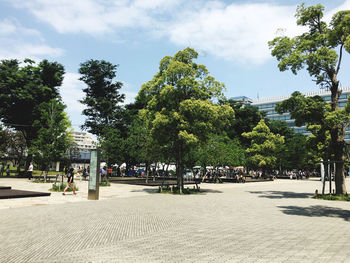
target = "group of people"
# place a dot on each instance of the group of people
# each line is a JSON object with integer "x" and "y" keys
{"x": 2, "y": 170}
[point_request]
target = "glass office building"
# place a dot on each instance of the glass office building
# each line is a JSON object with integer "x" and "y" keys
{"x": 268, "y": 105}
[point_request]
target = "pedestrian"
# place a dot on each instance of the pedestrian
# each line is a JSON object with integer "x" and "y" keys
{"x": 30, "y": 171}
{"x": 84, "y": 173}
{"x": 2, "y": 168}
{"x": 70, "y": 182}
{"x": 8, "y": 170}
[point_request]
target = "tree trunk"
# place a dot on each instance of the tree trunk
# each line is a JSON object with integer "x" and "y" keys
{"x": 324, "y": 177}
{"x": 338, "y": 146}
{"x": 180, "y": 170}
{"x": 331, "y": 169}
{"x": 147, "y": 172}
{"x": 337, "y": 141}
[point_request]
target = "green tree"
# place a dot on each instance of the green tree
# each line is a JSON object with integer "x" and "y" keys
{"x": 293, "y": 153}
{"x": 102, "y": 97}
{"x": 3, "y": 141}
{"x": 246, "y": 118}
{"x": 220, "y": 150}
{"x": 23, "y": 88}
{"x": 264, "y": 147}
{"x": 312, "y": 112}
{"x": 316, "y": 50}
{"x": 15, "y": 147}
{"x": 53, "y": 139}
{"x": 104, "y": 111}
{"x": 179, "y": 113}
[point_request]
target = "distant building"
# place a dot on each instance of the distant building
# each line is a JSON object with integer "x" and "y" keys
{"x": 84, "y": 143}
{"x": 268, "y": 105}
{"x": 245, "y": 100}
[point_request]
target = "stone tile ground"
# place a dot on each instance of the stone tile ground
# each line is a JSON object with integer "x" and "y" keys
{"x": 257, "y": 222}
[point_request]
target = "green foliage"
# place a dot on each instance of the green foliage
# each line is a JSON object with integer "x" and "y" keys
{"x": 320, "y": 51}
{"x": 102, "y": 96}
{"x": 333, "y": 197}
{"x": 22, "y": 91}
{"x": 179, "y": 114}
{"x": 246, "y": 118}
{"x": 53, "y": 139}
{"x": 60, "y": 187}
{"x": 264, "y": 146}
{"x": 112, "y": 145}
{"x": 293, "y": 153}
{"x": 218, "y": 151}
{"x": 103, "y": 184}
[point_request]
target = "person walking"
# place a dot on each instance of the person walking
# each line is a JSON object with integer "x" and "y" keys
{"x": 30, "y": 171}
{"x": 70, "y": 182}
{"x": 8, "y": 170}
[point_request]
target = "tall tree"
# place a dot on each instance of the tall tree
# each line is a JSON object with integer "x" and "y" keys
{"x": 316, "y": 50}
{"x": 53, "y": 139}
{"x": 102, "y": 97}
{"x": 313, "y": 112}
{"x": 103, "y": 101}
{"x": 22, "y": 91}
{"x": 179, "y": 113}
{"x": 264, "y": 147}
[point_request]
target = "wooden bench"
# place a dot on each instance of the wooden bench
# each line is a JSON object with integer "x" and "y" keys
{"x": 49, "y": 177}
{"x": 196, "y": 182}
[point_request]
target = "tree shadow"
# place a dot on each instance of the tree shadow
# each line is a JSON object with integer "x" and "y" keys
{"x": 147, "y": 190}
{"x": 281, "y": 194}
{"x": 155, "y": 191}
{"x": 316, "y": 211}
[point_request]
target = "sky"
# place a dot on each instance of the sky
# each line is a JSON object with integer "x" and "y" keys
{"x": 230, "y": 36}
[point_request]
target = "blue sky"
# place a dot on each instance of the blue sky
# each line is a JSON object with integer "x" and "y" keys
{"x": 230, "y": 36}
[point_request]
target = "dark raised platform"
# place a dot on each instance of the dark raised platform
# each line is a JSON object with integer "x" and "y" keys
{"x": 6, "y": 192}
{"x": 5, "y": 187}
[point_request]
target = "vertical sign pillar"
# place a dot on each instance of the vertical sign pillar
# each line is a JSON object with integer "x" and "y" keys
{"x": 94, "y": 176}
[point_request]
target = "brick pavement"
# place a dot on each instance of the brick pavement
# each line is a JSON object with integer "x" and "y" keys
{"x": 257, "y": 222}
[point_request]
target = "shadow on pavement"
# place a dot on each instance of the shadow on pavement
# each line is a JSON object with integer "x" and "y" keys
{"x": 281, "y": 194}
{"x": 316, "y": 211}
{"x": 147, "y": 190}
{"x": 155, "y": 191}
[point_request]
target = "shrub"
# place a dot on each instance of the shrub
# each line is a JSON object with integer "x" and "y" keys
{"x": 105, "y": 184}
{"x": 60, "y": 187}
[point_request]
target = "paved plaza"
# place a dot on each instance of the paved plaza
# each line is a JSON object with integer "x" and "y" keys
{"x": 254, "y": 222}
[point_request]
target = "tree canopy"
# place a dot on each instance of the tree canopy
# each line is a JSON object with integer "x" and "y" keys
{"x": 179, "y": 113}
{"x": 320, "y": 50}
{"x": 264, "y": 146}
{"x": 102, "y": 97}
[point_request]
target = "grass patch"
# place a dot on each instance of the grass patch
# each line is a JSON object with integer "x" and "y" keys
{"x": 40, "y": 181}
{"x": 333, "y": 197}
{"x": 60, "y": 187}
{"x": 105, "y": 184}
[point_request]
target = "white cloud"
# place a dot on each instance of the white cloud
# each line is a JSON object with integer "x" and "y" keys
{"x": 345, "y": 6}
{"x": 130, "y": 95}
{"x": 20, "y": 42}
{"x": 72, "y": 91}
{"x": 96, "y": 16}
{"x": 236, "y": 31}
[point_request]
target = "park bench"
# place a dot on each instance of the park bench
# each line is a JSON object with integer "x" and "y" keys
{"x": 173, "y": 184}
{"x": 49, "y": 177}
